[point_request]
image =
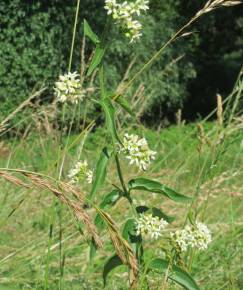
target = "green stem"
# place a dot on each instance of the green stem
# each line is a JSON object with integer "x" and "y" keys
{"x": 191, "y": 260}
{"x": 127, "y": 193}
{"x": 118, "y": 166}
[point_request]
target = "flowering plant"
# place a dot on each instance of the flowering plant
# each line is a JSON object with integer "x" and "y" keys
{"x": 146, "y": 224}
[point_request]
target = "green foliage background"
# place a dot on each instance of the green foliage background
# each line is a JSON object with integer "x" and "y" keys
{"x": 35, "y": 42}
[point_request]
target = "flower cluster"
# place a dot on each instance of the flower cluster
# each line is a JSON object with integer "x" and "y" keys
{"x": 69, "y": 88}
{"x": 148, "y": 225}
{"x": 80, "y": 171}
{"x": 137, "y": 151}
{"x": 123, "y": 14}
{"x": 197, "y": 236}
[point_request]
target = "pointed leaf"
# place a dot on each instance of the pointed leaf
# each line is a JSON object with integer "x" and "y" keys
{"x": 176, "y": 274}
{"x": 156, "y": 187}
{"x": 129, "y": 229}
{"x": 111, "y": 264}
{"x": 142, "y": 208}
{"x": 155, "y": 212}
{"x": 158, "y": 212}
{"x": 110, "y": 199}
{"x": 100, "y": 172}
{"x": 96, "y": 59}
{"x": 125, "y": 105}
{"x": 92, "y": 249}
{"x": 110, "y": 119}
{"x": 89, "y": 32}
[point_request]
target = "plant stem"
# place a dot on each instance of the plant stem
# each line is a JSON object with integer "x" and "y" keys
{"x": 127, "y": 194}
{"x": 191, "y": 260}
{"x": 118, "y": 166}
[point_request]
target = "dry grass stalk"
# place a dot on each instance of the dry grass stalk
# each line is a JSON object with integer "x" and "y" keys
{"x": 62, "y": 192}
{"x": 179, "y": 117}
{"x": 219, "y": 110}
{"x": 14, "y": 180}
{"x": 222, "y": 184}
{"x": 215, "y": 4}
{"x": 62, "y": 195}
{"x": 201, "y": 137}
{"x": 19, "y": 108}
{"x": 122, "y": 248}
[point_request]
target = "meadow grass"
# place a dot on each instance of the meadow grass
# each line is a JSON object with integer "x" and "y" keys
{"x": 26, "y": 215}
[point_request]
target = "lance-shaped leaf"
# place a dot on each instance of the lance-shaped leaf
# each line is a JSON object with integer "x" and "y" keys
{"x": 90, "y": 33}
{"x": 110, "y": 199}
{"x": 125, "y": 105}
{"x": 156, "y": 187}
{"x": 111, "y": 264}
{"x": 129, "y": 229}
{"x": 96, "y": 59}
{"x": 110, "y": 118}
{"x": 176, "y": 274}
{"x": 155, "y": 212}
{"x": 160, "y": 214}
{"x": 100, "y": 172}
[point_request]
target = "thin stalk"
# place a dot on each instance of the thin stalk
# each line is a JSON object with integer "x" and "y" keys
{"x": 157, "y": 54}
{"x": 192, "y": 254}
{"x": 73, "y": 38}
{"x": 118, "y": 166}
{"x": 127, "y": 193}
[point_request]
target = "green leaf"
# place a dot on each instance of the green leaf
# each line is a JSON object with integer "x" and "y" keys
{"x": 129, "y": 229}
{"x": 142, "y": 208}
{"x": 158, "y": 212}
{"x": 156, "y": 187}
{"x": 89, "y": 32}
{"x": 110, "y": 118}
{"x": 111, "y": 264}
{"x": 125, "y": 105}
{"x": 100, "y": 172}
{"x": 155, "y": 212}
{"x": 96, "y": 59}
{"x": 92, "y": 249}
{"x": 110, "y": 199}
{"x": 176, "y": 274}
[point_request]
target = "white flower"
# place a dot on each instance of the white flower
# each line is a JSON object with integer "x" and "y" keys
{"x": 89, "y": 176}
{"x": 148, "y": 225}
{"x": 197, "y": 236}
{"x": 202, "y": 236}
{"x": 123, "y": 13}
{"x": 137, "y": 151}
{"x": 69, "y": 88}
{"x": 111, "y": 6}
{"x": 80, "y": 171}
{"x": 182, "y": 238}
